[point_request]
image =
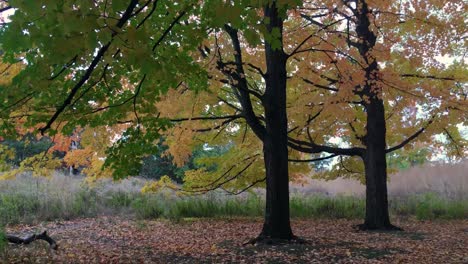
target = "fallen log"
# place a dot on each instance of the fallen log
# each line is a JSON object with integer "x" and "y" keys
{"x": 42, "y": 236}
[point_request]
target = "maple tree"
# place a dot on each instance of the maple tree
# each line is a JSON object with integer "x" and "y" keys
{"x": 264, "y": 112}
{"x": 376, "y": 63}
{"x": 355, "y": 71}
{"x": 111, "y": 69}
{"x": 26, "y": 150}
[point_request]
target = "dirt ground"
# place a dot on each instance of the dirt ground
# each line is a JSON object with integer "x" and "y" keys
{"x": 118, "y": 240}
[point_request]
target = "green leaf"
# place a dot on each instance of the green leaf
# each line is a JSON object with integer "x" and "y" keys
{"x": 119, "y": 5}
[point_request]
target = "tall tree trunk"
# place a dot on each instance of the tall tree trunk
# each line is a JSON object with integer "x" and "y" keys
{"x": 277, "y": 224}
{"x": 375, "y": 164}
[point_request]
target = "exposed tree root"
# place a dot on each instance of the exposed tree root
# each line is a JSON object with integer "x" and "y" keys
{"x": 389, "y": 227}
{"x": 42, "y": 236}
{"x": 275, "y": 241}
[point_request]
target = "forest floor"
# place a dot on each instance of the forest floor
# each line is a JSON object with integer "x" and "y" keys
{"x": 119, "y": 240}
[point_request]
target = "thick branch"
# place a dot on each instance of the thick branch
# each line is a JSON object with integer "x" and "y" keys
{"x": 258, "y": 69}
{"x": 311, "y": 147}
{"x": 241, "y": 85}
{"x": 313, "y": 21}
{"x": 155, "y": 4}
{"x": 313, "y": 160}
{"x": 42, "y": 236}
{"x": 205, "y": 118}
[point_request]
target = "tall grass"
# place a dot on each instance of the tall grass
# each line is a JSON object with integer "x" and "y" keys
{"x": 213, "y": 206}
{"x": 429, "y": 206}
{"x": 327, "y": 207}
{"x": 29, "y": 200}
{"x": 3, "y": 241}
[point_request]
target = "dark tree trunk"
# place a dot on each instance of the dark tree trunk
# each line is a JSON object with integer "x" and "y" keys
{"x": 375, "y": 164}
{"x": 274, "y": 131}
{"x": 277, "y": 225}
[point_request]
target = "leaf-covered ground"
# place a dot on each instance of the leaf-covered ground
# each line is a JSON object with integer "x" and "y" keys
{"x": 116, "y": 240}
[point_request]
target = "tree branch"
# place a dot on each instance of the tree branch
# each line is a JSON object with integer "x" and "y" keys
{"x": 428, "y": 77}
{"x": 319, "y": 85}
{"x": 205, "y": 118}
{"x": 66, "y": 66}
{"x": 166, "y": 32}
{"x": 409, "y": 139}
{"x": 155, "y": 4}
{"x": 224, "y": 123}
{"x": 246, "y": 188}
{"x": 3, "y": 9}
{"x": 454, "y": 142}
{"x": 42, "y": 236}
{"x": 241, "y": 85}
{"x": 213, "y": 186}
{"x": 313, "y": 160}
{"x": 311, "y": 147}
{"x": 258, "y": 69}
{"x": 100, "y": 54}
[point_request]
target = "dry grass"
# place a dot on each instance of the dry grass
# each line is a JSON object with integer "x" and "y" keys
{"x": 429, "y": 192}
{"x": 447, "y": 180}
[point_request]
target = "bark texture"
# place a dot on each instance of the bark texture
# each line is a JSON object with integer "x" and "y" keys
{"x": 275, "y": 148}
{"x": 377, "y": 216}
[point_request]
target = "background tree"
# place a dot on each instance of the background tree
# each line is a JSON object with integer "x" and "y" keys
{"x": 403, "y": 160}
{"x": 375, "y": 64}
{"x": 160, "y": 164}
{"x": 7, "y": 72}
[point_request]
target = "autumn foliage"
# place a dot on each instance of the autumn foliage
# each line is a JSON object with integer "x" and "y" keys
{"x": 277, "y": 85}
